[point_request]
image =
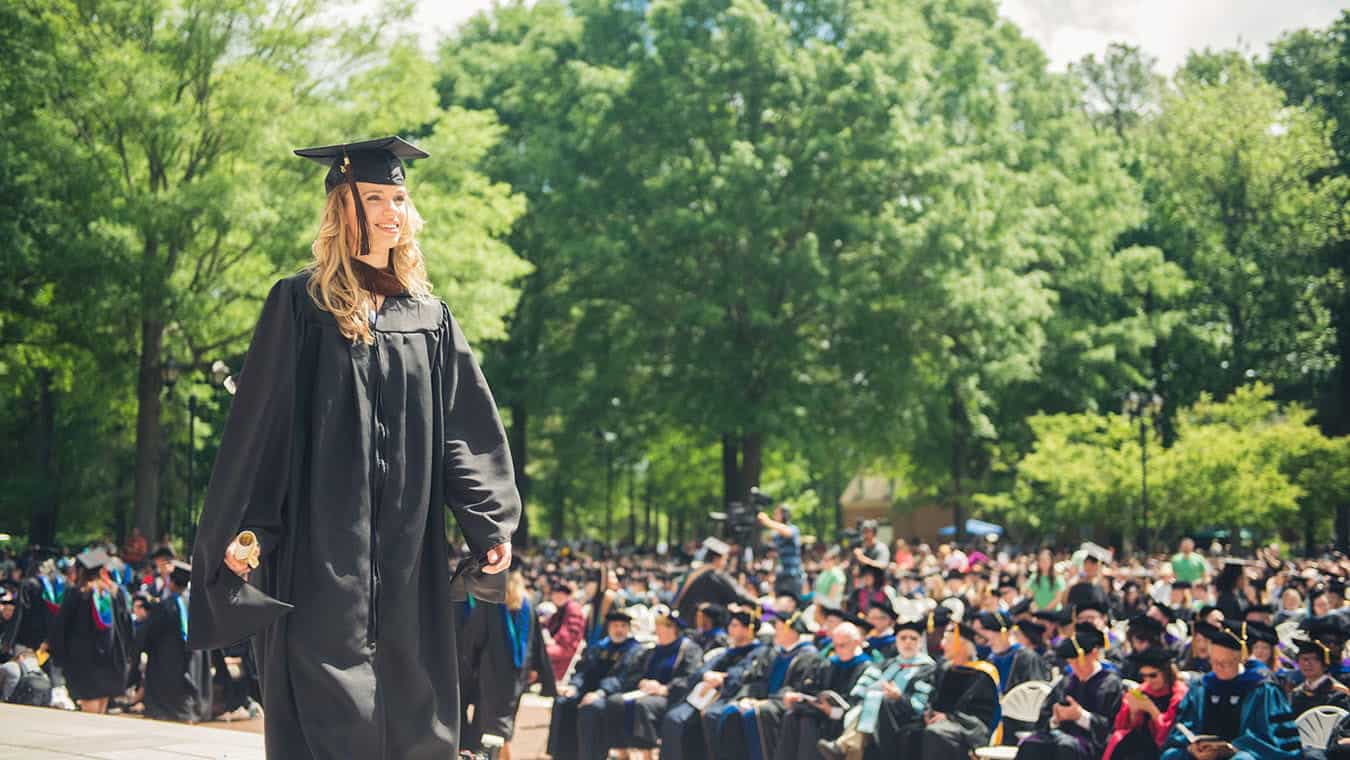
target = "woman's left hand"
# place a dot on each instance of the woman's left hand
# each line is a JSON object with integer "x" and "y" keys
{"x": 498, "y": 558}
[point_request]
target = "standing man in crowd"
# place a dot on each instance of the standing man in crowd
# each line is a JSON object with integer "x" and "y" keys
{"x": 711, "y": 583}
{"x": 1187, "y": 565}
{"x": 787, "y": 542}
{"x": 872, "y": 553}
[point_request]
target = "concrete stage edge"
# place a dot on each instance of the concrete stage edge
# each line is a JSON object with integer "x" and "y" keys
{"x": 40, "y": 733}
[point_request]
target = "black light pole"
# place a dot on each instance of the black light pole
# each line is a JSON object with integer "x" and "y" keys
{"x": 1144, "y": 407}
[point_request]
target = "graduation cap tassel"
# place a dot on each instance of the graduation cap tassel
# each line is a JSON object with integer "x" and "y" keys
{"x": 363, "y": 248}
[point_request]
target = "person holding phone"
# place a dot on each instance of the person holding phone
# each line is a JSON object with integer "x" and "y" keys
{"x": 1077, "y": 716}
{"x": 1147, "y": 712}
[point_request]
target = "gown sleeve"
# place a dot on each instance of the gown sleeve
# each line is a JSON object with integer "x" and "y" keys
{"x": 249, "y": 482}
{"x": 480, "y": 480}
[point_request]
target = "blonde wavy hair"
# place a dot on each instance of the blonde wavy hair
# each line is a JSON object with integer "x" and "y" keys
{"x": 333, "y": 284}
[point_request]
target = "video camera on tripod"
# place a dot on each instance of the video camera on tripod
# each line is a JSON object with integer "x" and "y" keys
{"x": 742, "y": 528}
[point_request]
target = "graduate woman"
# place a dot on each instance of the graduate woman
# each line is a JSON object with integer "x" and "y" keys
{"x": 91, "y": 637}
{"x": 360, "y": 416}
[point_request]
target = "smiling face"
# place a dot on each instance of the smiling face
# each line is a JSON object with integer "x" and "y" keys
{"x": 386, "y": 208}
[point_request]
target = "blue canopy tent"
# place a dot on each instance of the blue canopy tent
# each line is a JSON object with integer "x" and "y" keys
{"x": 974, "y": 528}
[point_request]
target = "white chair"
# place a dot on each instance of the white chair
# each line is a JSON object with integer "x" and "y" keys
{"x": 1285, "y": 631}
{"x": 1316, "y": 724}
{"x": 1179, "y": 630}
{"x": 1191, "y": 676}
{"x": 1022, "y": 702}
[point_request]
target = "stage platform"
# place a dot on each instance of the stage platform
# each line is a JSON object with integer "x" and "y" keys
{"x": 37, "y": 733}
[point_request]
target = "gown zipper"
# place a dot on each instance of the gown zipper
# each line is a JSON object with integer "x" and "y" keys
{"x": 378, "y": 470}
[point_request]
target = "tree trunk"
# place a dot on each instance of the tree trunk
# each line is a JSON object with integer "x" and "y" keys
{"x": 731, "y": 470}
{"x": 751, "y": 463}
{"x": 519, "y": 457}
{"x": 148, "y": 433}
{"x": 42, "y": 519}
{"x": 632, "y": 506}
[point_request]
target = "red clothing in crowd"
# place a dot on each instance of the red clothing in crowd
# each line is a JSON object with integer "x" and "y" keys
{"x": 566, "y": 627}
{"x": 1159, "y": 728}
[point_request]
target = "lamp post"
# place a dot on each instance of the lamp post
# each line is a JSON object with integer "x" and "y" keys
{"x": 1145, "y": 407}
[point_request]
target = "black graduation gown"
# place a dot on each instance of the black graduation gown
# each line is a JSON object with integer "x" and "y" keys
{"x": 804, "y": 724}
{"x": 1328, "y": 692}
{"x": 682, "y": 726}
{"x": 637, "y": 722}
{"x": 1100, "y": 696}
{"x": 342, "y": 457}
{"x": 575, "y": 730}
{"x": 969, "y": 698}
{"x": 177, "y": 679}
{"x": 1018, "y": 666}
{"x": 95, "y": 663}
{"x": 734, "y": 735}
{"x": 499, "y": 684}
{"x": 708, "y": 584}
{"x": 36, "y": 619}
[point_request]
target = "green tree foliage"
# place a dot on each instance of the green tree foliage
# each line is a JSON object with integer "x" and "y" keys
{"x": 1246, "y": 461}
{"x": 178, "y": 119}
{"x": 1242, "y": 203}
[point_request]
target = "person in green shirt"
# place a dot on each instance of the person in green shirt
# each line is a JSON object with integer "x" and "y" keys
{"x": 829, "y": 588}
{"x": 1047, "y": 587}
{"x": 1187, "y": 565}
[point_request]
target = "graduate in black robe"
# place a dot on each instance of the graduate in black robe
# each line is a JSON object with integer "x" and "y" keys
{"x": 881, "y": 619}
{"x": 11, "y": 617}
{"x": 1079, "y": 714}
{"x": 1016, "y": 664}
{"x": 177, "y": 679}
{"x": 682, "y": 727}
{"x": 747, "y": 724}
{"x": 711, "y": 627}
{"x": 91, "y": 639}
{"x": 962, "y": 713}
{"x": 341, "y": 453}
{"x": 576, "y": 726}
{"x": 1317, "y": 686}
{"x": 810, "y": 717}
{"x": 1143, "y": 633}
{"x": 637, "y": 713}
{"x": 1236, "y": 703}
{"x": 503, "y": 654}
{"x": 710, "y": 583}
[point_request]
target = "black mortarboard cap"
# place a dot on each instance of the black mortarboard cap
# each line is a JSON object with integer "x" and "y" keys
{"x": 1313, "y": 646}
{"x": 165, "y": 552}
{"x": 1325, "y": 627}
{"x": 1182, "y": 585}
{"x": 794, "y": 620}
{"x": 1228, "y": 636}
{"x": 1257, "y": 631}
{"x": 744, "y": 615}
{"x": 1058, "y": 617}
{"x": 886, "y": 608}
{"x": 919, "y": 626}
{"x": 1153, "y": 657}
{"x": 1145, "y": 627}
{"x": 378, "y": 161}
{"x": 1082, "y": 640}
{"x": 1021, "y": 608}
{"x": 1034, "y": 631}
{"x": 181, "y": 573}
{"x": 716, "y": 613}
{"x": 993, "y": 621}
{"x": 1167, "y": 611}
{"x": 618, "y": 615}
